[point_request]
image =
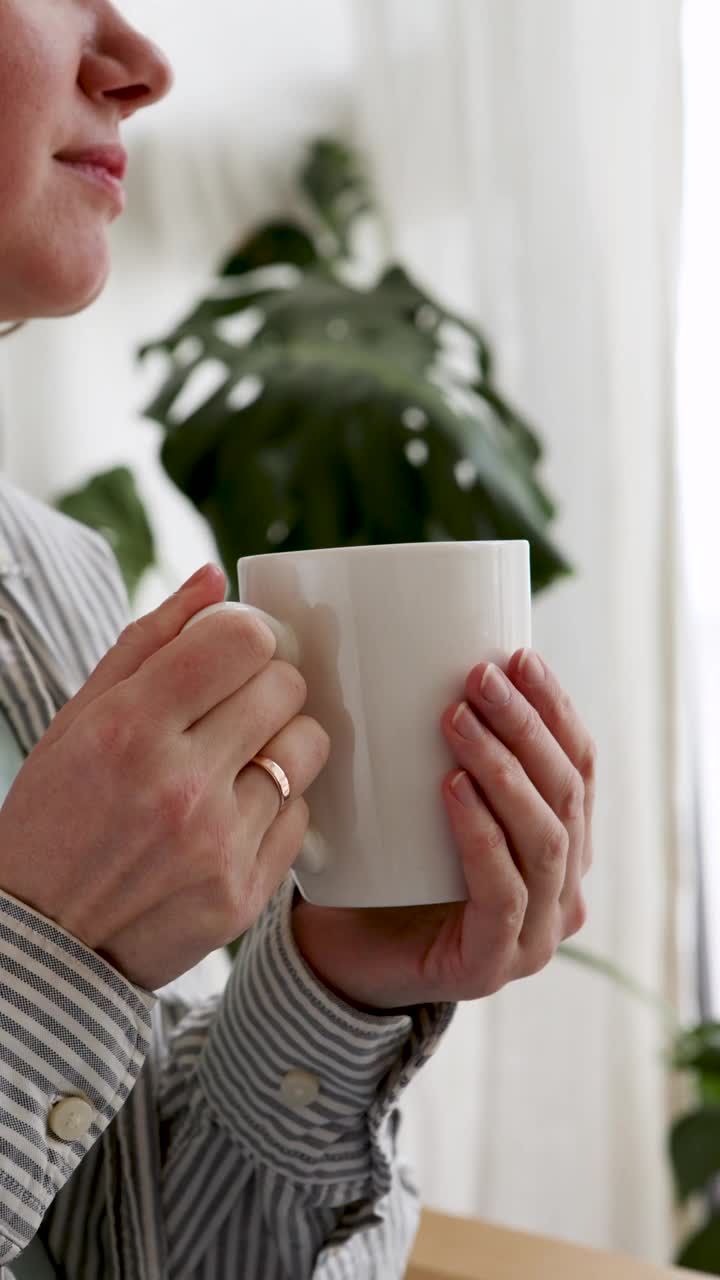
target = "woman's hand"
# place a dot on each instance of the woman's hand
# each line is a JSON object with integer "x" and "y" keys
{"x": 136, "y": 823}
{"x": 520, "y": 809}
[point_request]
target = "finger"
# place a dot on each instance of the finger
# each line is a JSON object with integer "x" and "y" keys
{"x": 141, "y": 639}
{"x": 493, "y": 919}
{"x": 301, "y": 749}
{"x": 202, "y": 668}
{"x": 236, "y": 730}
{"x": 537, "y": 683}
{"x": 520, "y": 726}
{"x": 277, "y": 853}
{"x": 539, "y": 841}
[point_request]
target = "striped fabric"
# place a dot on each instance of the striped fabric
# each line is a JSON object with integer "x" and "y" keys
{"x": 195, "y": 1166}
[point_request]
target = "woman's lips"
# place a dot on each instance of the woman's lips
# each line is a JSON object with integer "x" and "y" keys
{"x": 103, "y": 164}
{"x": 100, "y": 177}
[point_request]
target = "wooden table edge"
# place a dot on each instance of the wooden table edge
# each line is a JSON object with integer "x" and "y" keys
{"x": 456, "y": 1248}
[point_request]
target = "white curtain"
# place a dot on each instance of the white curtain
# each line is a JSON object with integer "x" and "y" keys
{"x": 527, "y": 155}
{"x": 700, "y": 446}
{"x": 528, "y": 158}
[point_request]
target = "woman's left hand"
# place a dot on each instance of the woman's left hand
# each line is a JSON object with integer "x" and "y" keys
{"x": 523, "y": 828}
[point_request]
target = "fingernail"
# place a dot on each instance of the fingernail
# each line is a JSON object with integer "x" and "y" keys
{"x": 466, "y": 723}
{"x": 530, "y": 668}
{"x": 494, "y": 687}
{"x": 463, "y": 788}
{"x": 197, "y": 577}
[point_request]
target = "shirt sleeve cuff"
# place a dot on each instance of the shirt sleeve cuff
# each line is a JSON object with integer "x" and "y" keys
{"x": 73, "y": 1027}
{"x": 303, "y": 1080}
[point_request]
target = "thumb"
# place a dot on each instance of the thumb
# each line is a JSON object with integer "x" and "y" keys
{"x": 143, "y": 638}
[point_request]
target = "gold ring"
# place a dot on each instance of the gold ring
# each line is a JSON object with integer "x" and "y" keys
{"x": 278, "y": 776}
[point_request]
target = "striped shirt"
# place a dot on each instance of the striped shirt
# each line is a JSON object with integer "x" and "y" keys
{"x": 34, "y": 1263}
{"x": 195, "y": 1164}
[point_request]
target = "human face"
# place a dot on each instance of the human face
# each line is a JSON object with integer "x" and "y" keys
{"x": 71, "y": 71}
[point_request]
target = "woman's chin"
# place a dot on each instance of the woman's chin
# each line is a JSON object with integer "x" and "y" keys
{"x": 85, "y": 291}
{"x": 88, "y": 297}
{"x": 71, "y": 286}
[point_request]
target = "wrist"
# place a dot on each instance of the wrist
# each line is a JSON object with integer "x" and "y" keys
{"x": 308, "y": 932}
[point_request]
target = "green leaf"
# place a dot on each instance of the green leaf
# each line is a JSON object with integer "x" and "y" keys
{"x": 323, "y": 486}
{"x": 695, "y": 1149}
{"x": 278, "y": 242}
{"x": 110, "y": 504}
{"x": 699, "y": 1048}
{"x": 248, "y": 487}
{"x": 387, "y": 489}
{"x": 702, "y": 1251}
{"x": 337, "y": 188}
{"x": 709, "y": 1087}
{"x": 418, "y": 307}
{"x": 359, "y": 361}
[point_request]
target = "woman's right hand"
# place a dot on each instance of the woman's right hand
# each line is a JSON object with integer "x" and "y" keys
{"x": 135, "y": 822}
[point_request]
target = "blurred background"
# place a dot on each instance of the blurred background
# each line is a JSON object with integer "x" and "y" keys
{"x": 548, "y": 169}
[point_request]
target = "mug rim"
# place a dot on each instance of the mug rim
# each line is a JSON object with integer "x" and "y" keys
{"x": 469, "y": 544}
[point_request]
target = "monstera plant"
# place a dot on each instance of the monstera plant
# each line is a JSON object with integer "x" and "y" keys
{"x": 695, "y": 1145}
{"x": 110, "y": 504}
{"x": 302, "y": 410}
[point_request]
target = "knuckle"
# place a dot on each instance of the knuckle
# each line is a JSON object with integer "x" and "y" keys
{"x": 256, "y": 637}
{"x": 494, "y": 837}
{"x": 114, "y": 732}
{"x": 542, "y": 954}
{"x": 563, "y": 711}
{"x": 588, "y": 763}
{"x": 554, "y": 850}
{"x": 292, "y": 681}
{"x": 510, "y": 912}
{"x": 505, "y": 773}
{"x": 138, "y": 632}
{"x": 577, "y": 916}
{"x": 175, "y": 801}
{"x": 572, "y": 802}
{"x": 530, "y": 728}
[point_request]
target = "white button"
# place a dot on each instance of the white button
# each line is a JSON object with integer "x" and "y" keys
{"x": 299, "y": 1089}
{"x": 70, "y": 1119}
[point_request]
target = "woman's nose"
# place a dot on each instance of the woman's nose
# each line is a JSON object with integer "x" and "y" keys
{"x": 125, "y": 67}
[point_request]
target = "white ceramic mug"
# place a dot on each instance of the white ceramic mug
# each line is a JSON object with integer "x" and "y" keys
{"x": 385, "y": 637}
